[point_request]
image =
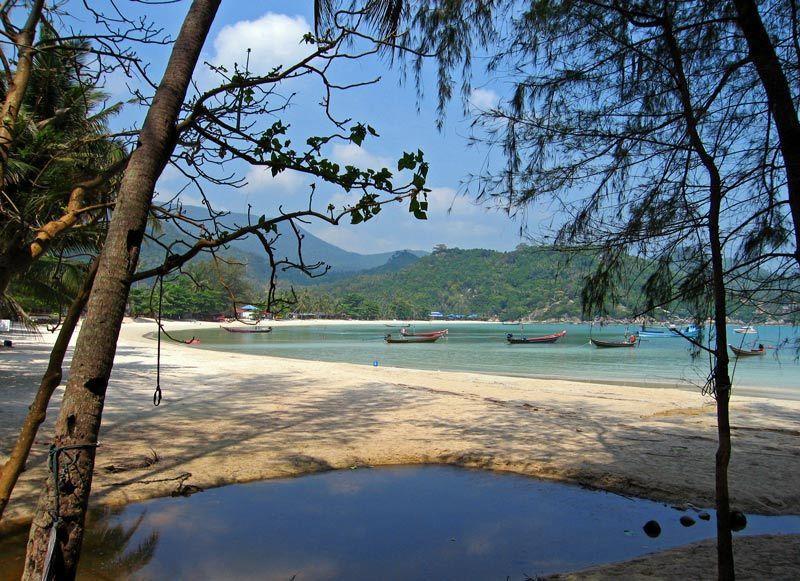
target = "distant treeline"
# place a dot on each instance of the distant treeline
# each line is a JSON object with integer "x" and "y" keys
{"x": 530, "y": 282}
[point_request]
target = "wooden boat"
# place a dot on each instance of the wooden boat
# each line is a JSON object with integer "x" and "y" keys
{"x": 748, "y": 352}
{"x": 691, "y": 331}
{"x": 432, "y": 339}
{"x": 248, "y": 330}
{"x": 440, "y": 333}
{"x": 746, "y": 330}
{"x": 533, "y": 340}
{"x": 631, "y": 342}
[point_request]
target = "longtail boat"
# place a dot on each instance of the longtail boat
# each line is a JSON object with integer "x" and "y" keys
{"x": 631, "y": 342}
{"x": 748, "y": 352}
{"x": 246, "y": 330}
{"x": 440, "y": 333}
{"x": 533, "y": 340}
{"x": 432, "y": 339}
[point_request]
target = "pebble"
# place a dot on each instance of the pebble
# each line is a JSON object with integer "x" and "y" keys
{"x": 652, "y": 529}
{"x": 738, "y": 520}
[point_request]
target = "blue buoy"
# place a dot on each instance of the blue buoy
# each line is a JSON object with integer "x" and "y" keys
{"x": 375, "y": 363}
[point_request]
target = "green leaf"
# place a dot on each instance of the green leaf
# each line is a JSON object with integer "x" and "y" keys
{"x": 357, "y": 134}
{"x": 406, "y": 162}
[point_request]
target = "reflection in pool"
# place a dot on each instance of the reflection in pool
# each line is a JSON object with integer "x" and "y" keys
{"x": 429, "y": 522}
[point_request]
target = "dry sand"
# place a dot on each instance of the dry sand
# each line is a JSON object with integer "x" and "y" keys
{"x": 229, "y": 417}
{"x": 762, "y": 558}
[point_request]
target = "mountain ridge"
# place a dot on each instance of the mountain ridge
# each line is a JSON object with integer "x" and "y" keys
{"x": 249, "y": 250}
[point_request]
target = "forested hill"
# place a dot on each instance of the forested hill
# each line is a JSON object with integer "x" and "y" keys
{"x": 528, "y": 282}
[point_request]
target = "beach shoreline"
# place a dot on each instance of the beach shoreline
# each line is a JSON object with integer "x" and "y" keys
{"x": 232, "y": 417}
{"x": 746, "y": 389}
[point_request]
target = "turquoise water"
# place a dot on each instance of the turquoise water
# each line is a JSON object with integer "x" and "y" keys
{"x": 482, "y": 348}
{"x": 428, "y": 522}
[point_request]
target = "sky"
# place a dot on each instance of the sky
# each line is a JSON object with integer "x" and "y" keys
{"x": 272, "y": 30}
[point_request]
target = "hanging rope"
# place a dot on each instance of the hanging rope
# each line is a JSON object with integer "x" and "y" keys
{"x": 157, "y": 392}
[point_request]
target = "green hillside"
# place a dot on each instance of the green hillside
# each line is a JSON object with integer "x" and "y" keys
{"x": 528, "y": 282}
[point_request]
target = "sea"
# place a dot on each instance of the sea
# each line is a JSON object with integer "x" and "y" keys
{"x": 482, "y": 348}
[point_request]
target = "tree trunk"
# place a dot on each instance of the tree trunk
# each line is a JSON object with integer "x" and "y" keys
{"x": 722, "y": 390}
{"x": 19, "y": 84}
{"x": 14, "y": 260}
{"x": 721, "y": 378}
{"x": 779, "y": 98}
{"x": 62, "y": 507}
{"x": 37, "y": 412}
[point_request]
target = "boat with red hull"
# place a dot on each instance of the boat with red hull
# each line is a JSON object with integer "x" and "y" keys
{"x": 534, "y": 340}
{"x": 433, "y": 339}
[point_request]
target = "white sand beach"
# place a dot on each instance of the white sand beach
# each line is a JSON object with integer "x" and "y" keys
{"x": 229, "y": 417}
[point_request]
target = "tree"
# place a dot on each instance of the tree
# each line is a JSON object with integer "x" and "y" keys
{"x": 205, "y": 289}
{"x": 776, "y": 63}
{"x": 217, "y": 124}
{"x": 81, "y": 410}
{"x": 60, "y": 138}
{"x": 53, "y": 146}
{"x": 38, "y": 409}
{"x": 645, "y": 124}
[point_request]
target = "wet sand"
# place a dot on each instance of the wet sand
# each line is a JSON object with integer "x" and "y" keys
{"x": 229, "y": 417}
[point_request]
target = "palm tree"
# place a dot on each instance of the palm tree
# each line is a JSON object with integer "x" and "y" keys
{"x": 59, "y": 141}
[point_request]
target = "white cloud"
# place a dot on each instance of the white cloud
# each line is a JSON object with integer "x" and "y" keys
{"x": 352, "y": 154}
{"x": 273, "y": 39}
{"x": 447, "y": 200}
{"x": 260, "y": 179}
{"x": 483, "y": 99}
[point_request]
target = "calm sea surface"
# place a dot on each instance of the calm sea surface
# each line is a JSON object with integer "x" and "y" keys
{"x": 482, "y": 348}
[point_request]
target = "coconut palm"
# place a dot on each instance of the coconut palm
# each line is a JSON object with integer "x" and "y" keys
{"x": 59, "y": 141}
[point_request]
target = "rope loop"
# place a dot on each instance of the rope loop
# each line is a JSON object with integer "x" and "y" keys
{"x": 157, "y": 392}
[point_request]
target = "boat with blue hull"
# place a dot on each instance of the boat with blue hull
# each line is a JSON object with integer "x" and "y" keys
{"x": 671, "y": 332}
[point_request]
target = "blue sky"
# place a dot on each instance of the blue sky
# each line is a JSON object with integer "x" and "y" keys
{"x": 272, "y": 31}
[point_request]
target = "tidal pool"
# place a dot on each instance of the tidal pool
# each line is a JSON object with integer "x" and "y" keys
{"x": 426, "y": 522}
